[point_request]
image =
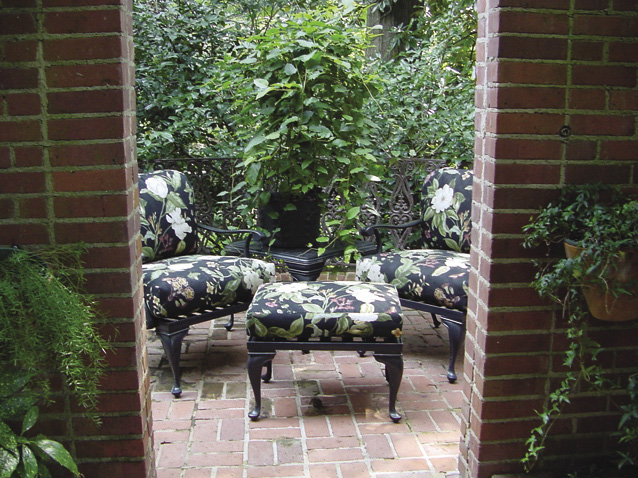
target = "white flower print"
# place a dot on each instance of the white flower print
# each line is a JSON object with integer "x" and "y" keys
{"x": 157, "y": 186}
{"x": 179, "y": 224}
{"x": 443, "y": 198}
{"x": 253, "y": 280}
{"x": 360, "y": 317}
{"x": 457, "y": 261}
{"x": 291, "y": 287}
{"x": 364, "y": 295}
{"x": 367, "y": 309}
{"x": 375, "y": 274}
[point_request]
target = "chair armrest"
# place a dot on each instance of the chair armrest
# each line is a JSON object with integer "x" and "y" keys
{"x": 252, "y": 234}
{"x": 375, "y": 230}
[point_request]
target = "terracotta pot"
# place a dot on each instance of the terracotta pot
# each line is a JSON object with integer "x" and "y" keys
{"x": 603, "y": 305}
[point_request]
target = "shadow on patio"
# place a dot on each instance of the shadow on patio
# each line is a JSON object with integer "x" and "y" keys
{"x": 324, "y": 414}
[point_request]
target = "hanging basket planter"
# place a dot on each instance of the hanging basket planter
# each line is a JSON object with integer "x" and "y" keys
{"x": 604, "y": 305}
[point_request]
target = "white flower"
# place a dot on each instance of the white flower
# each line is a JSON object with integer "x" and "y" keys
{"x": 443, "y": 198}
{"x": 179, "y": 224}
{"x": 374, "y": 274}
{"x": 157, "y": 186}
{"x": 367, "y": 309}
{"x": 358, "y": 317}
{"x": 289, "y": 287}
{"x": 252, "y": 280}
{"x": 364, "y": 295}
{"x": 457, "y": 261}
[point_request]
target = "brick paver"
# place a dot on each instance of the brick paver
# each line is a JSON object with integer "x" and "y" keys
{"x": 324, "y": 414}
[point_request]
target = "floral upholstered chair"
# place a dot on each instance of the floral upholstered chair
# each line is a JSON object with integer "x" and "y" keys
{"x": 181, "y": 286}
{"x": 434, "y": 277}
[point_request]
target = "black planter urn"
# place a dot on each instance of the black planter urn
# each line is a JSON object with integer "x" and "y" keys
{"x": 292, "y": 228}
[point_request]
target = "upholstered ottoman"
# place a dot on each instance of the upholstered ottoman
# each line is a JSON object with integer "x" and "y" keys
{"x": 321, "y": 315}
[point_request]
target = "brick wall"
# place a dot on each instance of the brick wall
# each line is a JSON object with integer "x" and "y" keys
{"x": 556, "y": 98}
{"x": 67, "y": 174}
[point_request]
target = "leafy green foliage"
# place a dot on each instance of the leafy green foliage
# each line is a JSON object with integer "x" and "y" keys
{"x": 46, "y": 323}
{"x": 302, "y": 86}
{"x": 597, "y": 217}
{"x": 422, "y": 100}
{"x": 604, "y": 222}
{"x": 179, "y": 46}
{"x": 21, "y": 455}
{"x": 178, "y": 111}
{"x": 426, "y": 107}
{"x": 628, "y": 426}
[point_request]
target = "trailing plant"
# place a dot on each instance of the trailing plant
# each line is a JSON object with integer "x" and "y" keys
{"x": 20, "y": 454}
{"x": 301, "y": 89}
{"x": 604, "y": 222}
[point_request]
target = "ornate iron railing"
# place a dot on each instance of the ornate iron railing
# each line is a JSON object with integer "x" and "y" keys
{"x": 218, "y": 198}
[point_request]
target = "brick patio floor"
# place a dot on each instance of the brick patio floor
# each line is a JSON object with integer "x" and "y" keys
{"x": 324, "y": 414}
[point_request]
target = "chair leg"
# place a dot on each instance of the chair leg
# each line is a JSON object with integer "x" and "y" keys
{"x": 456, "y": 333}
{"x": 231, "y": 321}
{"x": 256, "y": 362}
{"x": 393, "y": 374}
{"x": 172, "y": 343}
{"x": 268, "y": 374}
{"x": 437, "y": 322}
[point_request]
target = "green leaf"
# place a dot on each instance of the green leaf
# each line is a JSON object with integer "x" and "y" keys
{"x": 57, "y": 453}
{"x": 29, "y": 463}
{"x": 353, "y": 212}
{"x": 8, "y": 462}
{"x": 29, "y": 419}
{"x": 308, "y": 57}
{"x": 296, "y": 327}
{"x": 290, "y": 69}
{"x": 306, "y": 43}
{"x": 260, "y": 83}
{"x": 313, "y": 308}
{"x": 258, "y": 139}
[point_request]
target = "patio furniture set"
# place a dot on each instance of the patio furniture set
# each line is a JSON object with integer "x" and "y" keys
{"x": 184, "y": 285}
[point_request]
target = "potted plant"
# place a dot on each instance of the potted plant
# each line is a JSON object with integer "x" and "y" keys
{"x": 595, "y": 227}
{"x": 598, "y": 227}
{"x": 301, "y": 89}
{"x": 47, "y": 326}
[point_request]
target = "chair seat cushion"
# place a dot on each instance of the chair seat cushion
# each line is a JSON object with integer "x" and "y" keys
{"x": 325, "y": 309}
{"x": 181, "y": 286}
{"x": 436, "y": 277}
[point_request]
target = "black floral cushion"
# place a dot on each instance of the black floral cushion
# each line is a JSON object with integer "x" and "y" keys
{"x": 167, "y": 215}
{"x": 432, "y": 276}
{"x": 187, "y": 284}
{"x": 446, "y": 206}
{"x": 324, "y": 309}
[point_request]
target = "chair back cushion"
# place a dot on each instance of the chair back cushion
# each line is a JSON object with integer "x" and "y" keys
{"x": 446, "y": 207}
{"x": 167, "y": 215}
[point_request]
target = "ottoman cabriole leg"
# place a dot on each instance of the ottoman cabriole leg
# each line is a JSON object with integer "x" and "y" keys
{"x": 256, "y": 362}
{"x": 393, "y": 374}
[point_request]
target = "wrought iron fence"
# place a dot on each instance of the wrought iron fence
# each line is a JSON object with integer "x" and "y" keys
{"x": 220, "y": 200}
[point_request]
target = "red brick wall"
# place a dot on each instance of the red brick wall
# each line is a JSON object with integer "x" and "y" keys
{"x": 544, "y": 67}
{"x": 68, "y": 173}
